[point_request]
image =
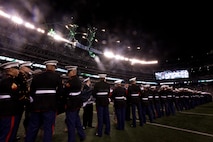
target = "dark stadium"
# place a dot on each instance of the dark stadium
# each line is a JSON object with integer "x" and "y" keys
{"x": 164, "y": 46}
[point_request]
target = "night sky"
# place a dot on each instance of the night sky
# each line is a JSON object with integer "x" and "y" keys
{"x": 162, "y": 30}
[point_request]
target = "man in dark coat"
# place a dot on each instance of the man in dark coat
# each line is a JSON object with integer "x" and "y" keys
{"x": 45, "y": 90}
{"x": 10, "y": 107}
{"x": 134, "y": 93}
{"x": 101, "y": 93}
{"x": 119, "y": 100}
{"x": 74, "y": 102}
{"x": 88, "y": 101}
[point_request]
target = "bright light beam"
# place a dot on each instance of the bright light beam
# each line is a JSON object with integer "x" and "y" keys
{"x": 17, "y": 20}
{"x": 133, "y": 61}
{"x": 29, "y": 25}
{"x": 5, "y": 15}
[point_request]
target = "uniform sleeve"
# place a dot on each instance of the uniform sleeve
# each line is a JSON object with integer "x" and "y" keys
{"x": 94, "y": 91}
{"x": 60, "y": 87}
{"x": 32, "y": 87}
{"x": 112, "y": 97}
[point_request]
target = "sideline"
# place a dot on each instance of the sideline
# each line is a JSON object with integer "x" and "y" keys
{"x": 181, "y": 129}
{"x": 205, "y": 114}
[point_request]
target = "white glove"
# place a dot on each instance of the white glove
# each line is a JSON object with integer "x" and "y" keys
{"x": 109, "y": 99}
{"x": 31, "y": 99}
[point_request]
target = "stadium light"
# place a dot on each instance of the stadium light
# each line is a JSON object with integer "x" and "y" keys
{"x": 133, "y": 61}
{"x": 17, "y": 20}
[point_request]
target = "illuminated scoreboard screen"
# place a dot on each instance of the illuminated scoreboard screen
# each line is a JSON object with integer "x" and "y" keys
{"x": 176, "y": 74}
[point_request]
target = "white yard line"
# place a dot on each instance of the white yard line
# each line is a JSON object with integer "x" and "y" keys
{"x": 205, "y": 114}
{"x": 181, "y": 129}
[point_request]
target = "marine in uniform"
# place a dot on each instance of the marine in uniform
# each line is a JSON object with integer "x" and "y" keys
{"x": 88, "y": 101}
{"x": 134, "y": 93}
{"x": 177, "y": 99}
{"x": 152, "y": 100}
{"x": 101, "y": 93}
{"x": 24, "y": 77}
{"x": 157, "y": 102}
{"x": 9, "y": 102}
{"x": 128, "y": 104}
{"x": 119, "y": 99}
{"x": 163, "y": 100}
{"x": 170, "y": 100}
{"x": 74, "y": 102}
{"x": 62, "y": 100}
{"x": 45, "y": 89}
{"x": 146, "y": 99}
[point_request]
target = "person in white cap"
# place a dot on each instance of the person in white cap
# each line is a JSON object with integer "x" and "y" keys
{"x": 9, "y": 102}
{"x": 23, "y": 79}
{"x": 74, "y": 102}
{"x": 128, "y": 104}
{"x": 134, "y": 93}
{"x": 88, "y": 101}
{"x": 101, "y": 93}
{"x": 119, "y": 99}
{"x": 146, "y": 103}
{"x": 45, "y": 89}
{"x": 163, "y": 100}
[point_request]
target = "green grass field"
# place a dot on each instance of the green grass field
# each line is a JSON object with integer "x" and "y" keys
{"x": 194, "y": 125}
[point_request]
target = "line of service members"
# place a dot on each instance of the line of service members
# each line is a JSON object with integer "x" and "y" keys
{"x": 42, "y": 93}
{"x": 153, "y": 102}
